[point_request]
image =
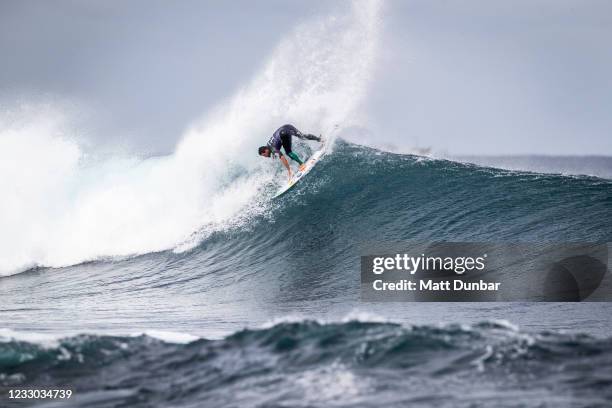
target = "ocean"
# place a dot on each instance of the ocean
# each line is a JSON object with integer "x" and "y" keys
{"x": 268, "y": 313}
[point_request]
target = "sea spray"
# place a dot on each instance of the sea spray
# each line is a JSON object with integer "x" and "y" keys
{"x": 59, "y": 209}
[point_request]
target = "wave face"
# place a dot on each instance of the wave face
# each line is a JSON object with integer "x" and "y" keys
{"x": 366, "y": 194}
{"x": 300, "y": 253}
{"x": 308, "y": 364}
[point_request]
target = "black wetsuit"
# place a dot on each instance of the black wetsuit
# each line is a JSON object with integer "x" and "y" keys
{"x": 282, "y": 138}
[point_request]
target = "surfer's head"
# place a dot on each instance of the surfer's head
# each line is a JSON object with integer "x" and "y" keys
{"x": 264, "y": 151}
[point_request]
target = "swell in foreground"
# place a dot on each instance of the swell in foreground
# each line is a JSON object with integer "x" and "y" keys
{"x": 309, "y": 364}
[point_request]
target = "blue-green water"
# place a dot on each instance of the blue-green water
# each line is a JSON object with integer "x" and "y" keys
{"x": 298, "y": 261}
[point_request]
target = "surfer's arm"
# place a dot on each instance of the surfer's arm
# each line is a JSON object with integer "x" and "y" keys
{"x": 285, "y": 163}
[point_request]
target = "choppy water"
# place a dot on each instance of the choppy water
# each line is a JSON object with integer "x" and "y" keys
{"x": 308, "y": 364}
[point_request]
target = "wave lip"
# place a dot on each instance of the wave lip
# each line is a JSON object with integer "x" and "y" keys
{"x": 308, "y": 363}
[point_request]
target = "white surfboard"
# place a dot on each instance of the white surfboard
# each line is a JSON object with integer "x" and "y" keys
{"x": 308, "y": 165}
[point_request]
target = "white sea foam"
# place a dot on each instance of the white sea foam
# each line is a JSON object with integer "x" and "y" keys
{"x": 60, "y": 208}
{"x": 169, "y": 336}
{"x": 42, "y": 339}
{"x": 48, "y": 340}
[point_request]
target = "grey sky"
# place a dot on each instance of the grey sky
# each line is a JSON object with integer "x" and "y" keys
{"x": 467, "y": 77}
{"x": 499, "y": 76}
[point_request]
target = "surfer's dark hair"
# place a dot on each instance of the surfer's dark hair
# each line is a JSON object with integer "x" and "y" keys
{"x": 262, "y": 149}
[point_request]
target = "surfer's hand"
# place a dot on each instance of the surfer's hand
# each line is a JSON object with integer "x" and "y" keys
{"x": 302, "y": 167}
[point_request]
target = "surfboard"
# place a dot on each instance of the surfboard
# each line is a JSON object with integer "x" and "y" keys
{"x": 308, "y": 166}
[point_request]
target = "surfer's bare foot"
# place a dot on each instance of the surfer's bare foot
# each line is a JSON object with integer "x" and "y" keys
{"x": 302, "y": 167}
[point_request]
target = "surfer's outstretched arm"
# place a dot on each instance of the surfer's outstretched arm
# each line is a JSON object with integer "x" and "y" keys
{"x": 286, "y": 164}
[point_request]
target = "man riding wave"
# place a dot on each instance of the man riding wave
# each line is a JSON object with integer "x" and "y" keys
{"x": 282, "y": 138}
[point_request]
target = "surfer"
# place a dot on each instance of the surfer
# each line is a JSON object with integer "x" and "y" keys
{"x": 282, "y": 138}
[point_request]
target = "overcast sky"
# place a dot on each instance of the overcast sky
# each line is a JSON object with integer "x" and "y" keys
{"x": 465, "y": 77}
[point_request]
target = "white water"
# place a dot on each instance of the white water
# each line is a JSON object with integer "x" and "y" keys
{"x": 60, "y": 208}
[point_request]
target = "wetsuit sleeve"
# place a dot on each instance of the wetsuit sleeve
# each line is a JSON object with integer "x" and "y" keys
{"x": 275, "y": 149}
{"x": 295, "y": 157}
